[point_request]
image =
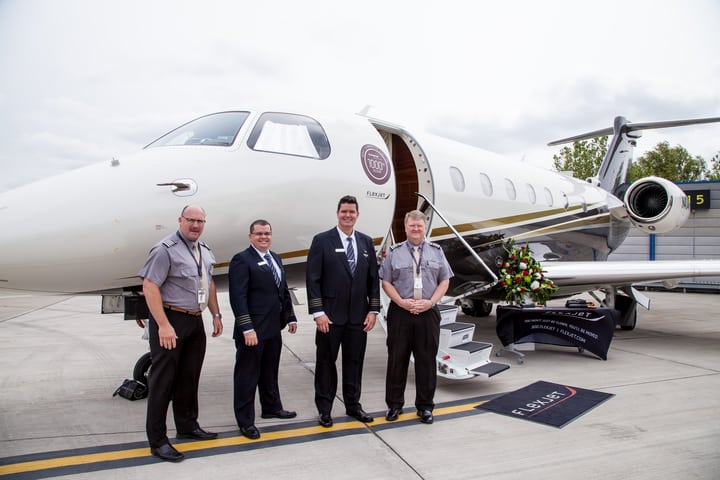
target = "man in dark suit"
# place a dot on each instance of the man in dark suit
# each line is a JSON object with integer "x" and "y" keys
{"x": 262, "y": 306}
{"x": 343, "y": 292}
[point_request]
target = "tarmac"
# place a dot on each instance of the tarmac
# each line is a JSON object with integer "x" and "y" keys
{"x": 61, "y": 361}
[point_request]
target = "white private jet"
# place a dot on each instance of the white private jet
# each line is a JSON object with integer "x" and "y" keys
{"x": 89, "y": 230}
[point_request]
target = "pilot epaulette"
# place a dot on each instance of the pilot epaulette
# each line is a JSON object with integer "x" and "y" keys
{"x": 203, "y": 244}
{"x": 396, "y": 246}
{"x": 433, "y": 244}
{"x": 169, "y": 242}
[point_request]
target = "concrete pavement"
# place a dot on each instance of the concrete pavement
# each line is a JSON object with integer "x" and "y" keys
{"x": 60, "y": 361}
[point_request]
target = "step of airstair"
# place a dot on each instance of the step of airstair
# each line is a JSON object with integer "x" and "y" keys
{"x": 459, "y": 356}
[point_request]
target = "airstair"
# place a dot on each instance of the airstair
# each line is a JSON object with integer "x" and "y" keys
{"x": 459, "y": 356}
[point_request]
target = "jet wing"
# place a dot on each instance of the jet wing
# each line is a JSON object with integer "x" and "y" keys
{"x": 576, "y": 277}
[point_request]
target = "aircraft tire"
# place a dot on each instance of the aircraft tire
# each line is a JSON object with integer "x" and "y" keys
{"x": 142, "y": 368}
{"x": 627, "y": 307}
{"x": 631, "y": 323}
{"x": 479, "y": 308}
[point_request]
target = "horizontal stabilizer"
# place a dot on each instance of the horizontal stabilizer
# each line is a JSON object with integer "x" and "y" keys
{"x": 630, "y": 127}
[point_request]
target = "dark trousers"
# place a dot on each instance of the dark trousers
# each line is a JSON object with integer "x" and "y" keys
{"x": 418, "y": 335}
{"x": 175, "y": 375}
{"x": 256, "y": 368}
{"x": 353, "y": 341}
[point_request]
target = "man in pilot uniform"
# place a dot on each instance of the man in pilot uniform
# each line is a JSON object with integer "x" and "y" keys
{"x": 415, "y": 275}
{"x": 262, "y": 306}
{"x": 343, "y": 293}
{"x": 178, "y": 285}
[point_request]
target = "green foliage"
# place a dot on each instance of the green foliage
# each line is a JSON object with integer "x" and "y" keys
{"x": 713, "y": 172}
{"x": 674, "y": 164}
{"x": 583, "y": 159}
{"x": 521, "y": 275}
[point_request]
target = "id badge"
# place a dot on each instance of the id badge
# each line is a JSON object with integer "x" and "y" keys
{"x": 202, "y": 296}
{"x": 418, "y": 283}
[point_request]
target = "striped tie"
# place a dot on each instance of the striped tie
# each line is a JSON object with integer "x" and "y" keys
{"x": 272, "y": 267}
{"x": 350, "y": 252}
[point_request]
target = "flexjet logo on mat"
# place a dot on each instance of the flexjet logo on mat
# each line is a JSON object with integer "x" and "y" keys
{"x": 545, "y": 402}
{"x": 375, "y": 164}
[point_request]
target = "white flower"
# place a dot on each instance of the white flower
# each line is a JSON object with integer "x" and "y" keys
{"x": 522, "y": 265}
{"x": 534, "y": 285}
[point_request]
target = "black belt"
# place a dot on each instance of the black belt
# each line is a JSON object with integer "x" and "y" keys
{"x": 182, "y": 310}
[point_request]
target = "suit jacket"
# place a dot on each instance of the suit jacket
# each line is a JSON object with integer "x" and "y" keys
{"x": 257, "y": 302}
{"x": 331, "y": 286}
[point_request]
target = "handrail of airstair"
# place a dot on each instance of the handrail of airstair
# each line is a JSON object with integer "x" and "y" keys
{"x": 468, "y": 248}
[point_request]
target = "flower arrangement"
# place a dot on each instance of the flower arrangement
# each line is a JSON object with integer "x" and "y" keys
{"x": 522, "y": 277}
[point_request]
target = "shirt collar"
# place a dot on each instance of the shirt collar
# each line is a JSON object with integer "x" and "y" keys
{"x": 262, "y": 255}
{"x": 343, "y": 236}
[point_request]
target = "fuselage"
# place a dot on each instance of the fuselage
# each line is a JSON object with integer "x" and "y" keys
{"x": 90, "y": 229}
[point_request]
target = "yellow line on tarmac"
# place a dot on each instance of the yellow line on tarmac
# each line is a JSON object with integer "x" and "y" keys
{"x": 73, "y": 460}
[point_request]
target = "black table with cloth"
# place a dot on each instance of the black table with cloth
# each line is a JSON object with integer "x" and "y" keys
{"x": 588, "y": 329}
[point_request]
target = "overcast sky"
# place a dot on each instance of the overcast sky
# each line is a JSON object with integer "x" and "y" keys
{"x": 83, "y": 81}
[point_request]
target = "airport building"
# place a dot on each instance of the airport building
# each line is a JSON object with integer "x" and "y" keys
{"x": 699, "y": 238}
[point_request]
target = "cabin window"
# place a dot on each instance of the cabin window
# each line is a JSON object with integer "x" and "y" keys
{"x": 217, "y": 129}
{"x": 486, "y": 185}
{"x": 531, "y": 193}
{"x": 548, "y": 197}
{"x": 510, "y": 189}
{"x": 289, "y": 134}
{"x": 457, "y": 178}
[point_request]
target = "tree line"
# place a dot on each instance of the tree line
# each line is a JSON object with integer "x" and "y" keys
{"x": 676, "y": 164}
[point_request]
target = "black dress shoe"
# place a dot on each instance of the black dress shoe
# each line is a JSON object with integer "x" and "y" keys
{"x": 425, "y": 416}
{"x": 325, "y": 420}
{"x": 393, "y": 414}
{"x": 280, "y": 414}
{"x": 361, "y": 416}
{"x": 250, "y": 432}
{"x": 198, "y": 434}
{"x": 168, "y": 453}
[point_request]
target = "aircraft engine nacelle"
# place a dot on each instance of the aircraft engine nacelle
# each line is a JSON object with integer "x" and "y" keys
{"x": 656, "y": 205}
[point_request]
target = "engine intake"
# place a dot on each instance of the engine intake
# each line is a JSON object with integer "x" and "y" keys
{"x": 656, "y": 205}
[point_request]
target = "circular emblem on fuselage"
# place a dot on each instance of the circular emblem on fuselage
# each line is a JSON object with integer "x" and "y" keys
{"x": 375, "y": 164}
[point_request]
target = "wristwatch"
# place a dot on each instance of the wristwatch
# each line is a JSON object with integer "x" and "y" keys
{"x": 217, "y": 315}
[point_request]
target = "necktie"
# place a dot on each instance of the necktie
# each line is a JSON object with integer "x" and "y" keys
{"x": 417, "y": 292}
{"x": 276, "y": 276}
{"x": 350, "y": 252}
{"x": 203, "y": 274}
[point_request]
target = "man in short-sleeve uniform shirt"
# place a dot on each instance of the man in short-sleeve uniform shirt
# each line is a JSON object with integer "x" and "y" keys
{"x": 415, "y": 275}
{"x": 178, "y": 285}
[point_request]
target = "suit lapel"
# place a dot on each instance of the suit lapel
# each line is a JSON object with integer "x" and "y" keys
{"x": 265, "y": 268}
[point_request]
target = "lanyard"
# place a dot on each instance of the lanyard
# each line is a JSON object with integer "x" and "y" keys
{"x": 417, "y": 262}
{"x": 197, "y": 262}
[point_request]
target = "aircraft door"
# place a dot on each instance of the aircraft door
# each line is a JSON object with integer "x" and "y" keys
{"x": 412, "y": 175}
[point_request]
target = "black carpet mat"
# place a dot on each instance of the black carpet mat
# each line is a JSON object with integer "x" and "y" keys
{"x": 548, "y": 403}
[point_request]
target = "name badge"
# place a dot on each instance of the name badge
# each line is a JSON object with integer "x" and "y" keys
{"x": 339, "y": 250}
{"x": 260, "y": 264}
{"x": 418, "y": 283}
{"x": 202, "y": 296}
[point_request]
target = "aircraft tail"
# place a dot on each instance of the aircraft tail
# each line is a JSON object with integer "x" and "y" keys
{"x": 615, "y": 167}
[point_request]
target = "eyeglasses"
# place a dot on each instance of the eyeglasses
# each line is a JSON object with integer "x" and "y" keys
{"x": 262, "y": 234}
{"x": 194, "y": 220}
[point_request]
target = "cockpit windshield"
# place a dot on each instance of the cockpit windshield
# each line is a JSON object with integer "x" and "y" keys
{"x": 218, "y": 129}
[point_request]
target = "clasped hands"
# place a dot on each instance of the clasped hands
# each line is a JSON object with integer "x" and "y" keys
{"x": 416, "y": 306}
